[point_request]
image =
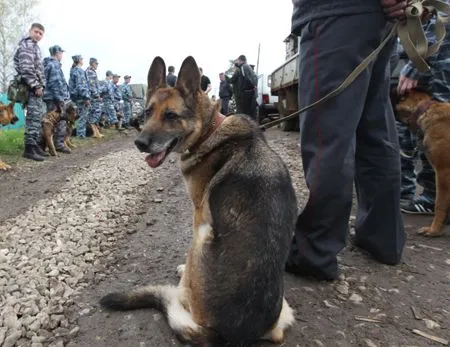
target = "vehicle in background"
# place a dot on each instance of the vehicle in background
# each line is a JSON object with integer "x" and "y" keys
{"x": 284, "y": 84}
{"x": 266, "y": 102}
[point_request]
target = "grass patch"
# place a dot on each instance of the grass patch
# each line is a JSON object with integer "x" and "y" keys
{"x": 11, "y": 142}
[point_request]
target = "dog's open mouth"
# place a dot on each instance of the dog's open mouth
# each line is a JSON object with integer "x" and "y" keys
{"x": 156, "y": 159}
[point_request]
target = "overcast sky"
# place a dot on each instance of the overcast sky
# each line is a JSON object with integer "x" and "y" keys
{"x": 126, "y": 35}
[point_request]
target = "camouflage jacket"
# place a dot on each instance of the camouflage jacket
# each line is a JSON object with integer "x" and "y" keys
{"x": 78, "y": 84}
{"x": 107, "y": 90}
{"x": 117, "y": 92}
{"x": 437, "y": 79}
{"x": 94, "y": 86}
{"x": 28, "y": 64}
{"x": 127, "y": 94}
{"x": 56, "y": 88}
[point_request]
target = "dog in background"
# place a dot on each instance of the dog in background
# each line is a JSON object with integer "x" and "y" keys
{"x": 7, "y": 117}
{"x": 51, "y": 120}
{"x": 231, "y": 289}
{"x": 432, "y": 118}
{"x": 70, "y": 124}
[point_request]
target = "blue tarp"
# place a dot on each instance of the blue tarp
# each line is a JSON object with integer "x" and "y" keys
{"x": 18, "y": 110}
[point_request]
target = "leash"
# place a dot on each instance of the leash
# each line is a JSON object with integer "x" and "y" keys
{"x": 412, "y": 37}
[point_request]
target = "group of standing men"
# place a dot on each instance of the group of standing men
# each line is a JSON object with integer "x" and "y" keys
{"x": 49, "y": 91}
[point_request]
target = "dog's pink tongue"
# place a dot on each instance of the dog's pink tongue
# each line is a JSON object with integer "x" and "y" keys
{"x": 153, "y": 160}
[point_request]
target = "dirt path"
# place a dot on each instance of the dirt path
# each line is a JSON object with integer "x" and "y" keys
{"x": 372, "y": 304}
{"x": 31, "y": 181}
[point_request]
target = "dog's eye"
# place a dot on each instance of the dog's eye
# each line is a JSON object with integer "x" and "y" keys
{"x": 169, "y": 115}
{"x": 148, "y": 112}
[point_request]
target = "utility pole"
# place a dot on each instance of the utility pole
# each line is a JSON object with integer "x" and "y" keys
{"x": 257, "y": 61}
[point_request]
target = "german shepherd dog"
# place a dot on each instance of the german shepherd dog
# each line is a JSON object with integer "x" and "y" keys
{"x": 51, "y": 120}
{"x": 7, "y": 117}
{"x": 231, "y": 290}
{"x": 432, "y": 118}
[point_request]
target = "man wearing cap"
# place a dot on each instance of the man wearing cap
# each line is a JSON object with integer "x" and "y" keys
{"x": 28, "y": 64}
{"x": 79, "y": 93}
{"x": 127, "y": 95}
{"x": 107, "y": 93}
{"x": 55, "y": 93}
{"x": 95, "y": 112}
{"x": 118, "y": 101}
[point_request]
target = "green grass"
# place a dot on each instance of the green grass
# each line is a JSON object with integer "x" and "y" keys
{"x": 11, "y": 142}
{"x": 12, "y": 146}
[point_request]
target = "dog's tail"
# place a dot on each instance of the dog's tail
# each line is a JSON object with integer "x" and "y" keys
{"x": 168, "y": 300}
{"x": 157, "y": 297}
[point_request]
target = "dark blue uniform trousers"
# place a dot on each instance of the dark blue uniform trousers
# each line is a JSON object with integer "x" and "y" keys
{"x": 351, "y": 139}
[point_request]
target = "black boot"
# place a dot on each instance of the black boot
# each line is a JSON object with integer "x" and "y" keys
{"x": 30, "y": 153}
{"x": 63, "y": 149}
{"x": 38, "y": 149}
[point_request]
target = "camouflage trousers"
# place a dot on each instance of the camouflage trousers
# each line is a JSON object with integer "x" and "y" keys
{"x": 60, "y": 131}
{"x": 411, "y": 151}
{"x": 33, "y": 119}
{"x": 110, "y": 111}
{"x": 126, "y": 112}
{"x": 95, "y": 112}
{"x": 83, "y": 114}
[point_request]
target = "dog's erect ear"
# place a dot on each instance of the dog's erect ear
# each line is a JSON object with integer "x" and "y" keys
{"x": 156, "y": 76}
{"x": 188, "y": 81}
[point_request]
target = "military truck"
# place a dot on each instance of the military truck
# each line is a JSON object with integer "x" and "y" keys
{"x": 284, "y": 84}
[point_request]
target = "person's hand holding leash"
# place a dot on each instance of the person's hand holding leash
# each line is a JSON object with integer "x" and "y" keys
{"x": 394, "y": 9}
{"x": 405, "y": 85}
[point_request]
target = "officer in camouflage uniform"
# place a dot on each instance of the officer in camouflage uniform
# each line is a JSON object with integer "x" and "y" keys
{"x": 436, "y": 83}
{"x": 94, "y": 88}
{"x": 107, "y": 92}
{"x": 28, "y": 64}
{"x": 127, "y": 95}
{"x": 118, "y": 100}
{"x": 79, "y": 93}
{"x": 56, "y": 92}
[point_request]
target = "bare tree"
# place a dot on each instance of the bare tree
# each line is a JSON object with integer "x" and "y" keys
{"x": 16, "y": 17}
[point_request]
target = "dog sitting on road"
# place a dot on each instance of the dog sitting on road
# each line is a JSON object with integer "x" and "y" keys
{"x": 7, "y": 117}
{"x": 231, "y": 289}
{"x": 432, "y": 118}
{"x": 51, "y": 120}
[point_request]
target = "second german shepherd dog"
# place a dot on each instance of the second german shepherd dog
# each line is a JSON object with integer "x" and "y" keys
{"x": 231, "y": 290}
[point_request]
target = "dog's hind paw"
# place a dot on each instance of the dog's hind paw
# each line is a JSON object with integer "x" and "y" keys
{"x": 180, "y": 269}
{"x": 427, "y": 231}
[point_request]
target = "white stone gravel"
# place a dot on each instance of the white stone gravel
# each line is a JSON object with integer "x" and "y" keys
{"x": 51, "y": 251}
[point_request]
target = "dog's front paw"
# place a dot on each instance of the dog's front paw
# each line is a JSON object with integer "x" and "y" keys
{"x": 180, "y": 269}
{"x": 428, "y": 231}
{"x": 4, "y": 166}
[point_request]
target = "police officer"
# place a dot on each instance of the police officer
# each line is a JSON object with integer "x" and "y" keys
{"x": 94, "y": 88}
{"x": 127, "y": 95}
{"x": 349, "y": 139}
{"x": 28, "y": 64}
{"x": 56, "y": 93}
{"x": 118, "y": 101}
{"x": 107, "y": 92}
{"x": 79, "y": 93}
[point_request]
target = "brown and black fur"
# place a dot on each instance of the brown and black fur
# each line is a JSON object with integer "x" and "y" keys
{"x": 7, "y": 117}
{"x": 434, "y": 122}
{"x": 51, "y": 120}
{"x": 70, "y": 122}
{"x": 231, "y": 290}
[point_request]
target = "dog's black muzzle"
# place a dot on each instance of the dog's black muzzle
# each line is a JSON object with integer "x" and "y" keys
{"x": 143, "y": 142}
{"x": 14, "y": 120}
